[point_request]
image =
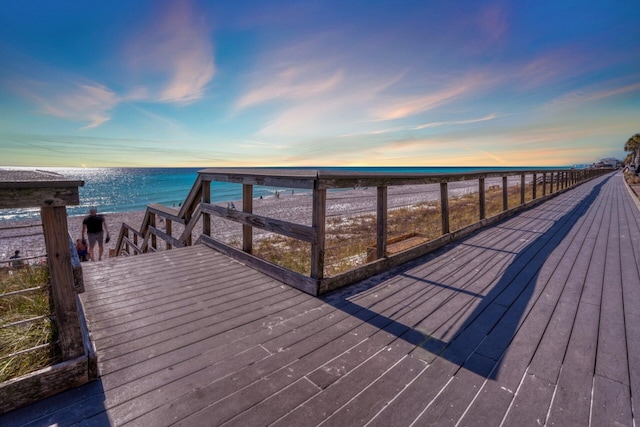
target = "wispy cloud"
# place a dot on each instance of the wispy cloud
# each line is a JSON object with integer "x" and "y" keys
{"x": 80, "y": 101}
{"x": 412, "y": 105}
{"x": 611, "y": 89}
{"x": 178, "y": 46}
{"x": 294, "y": 82}
{"x": 422, "y": 126}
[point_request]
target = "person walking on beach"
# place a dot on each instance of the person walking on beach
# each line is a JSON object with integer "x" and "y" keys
{"x": 94, "y": 227}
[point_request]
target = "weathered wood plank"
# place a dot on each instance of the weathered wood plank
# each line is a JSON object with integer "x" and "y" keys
{"x": 405, "y": 409}
{"x": 289, "y": 229}
{"x": 13, "y": 197}
{"x": 296, "y": 280}
{"x": 611, "y": 403}
{"x": 46, "y": 382}
{"x": 531, "y": 402}
{"x": 374, "y": 398}
{"x": 381, "y": 222}
{"x": 172, "y": 241}
{"x": 166, "y": 212}
{"x": 318, "y": 224}
{"x": 247, "y": 207}
{"x": 54, "y": 224}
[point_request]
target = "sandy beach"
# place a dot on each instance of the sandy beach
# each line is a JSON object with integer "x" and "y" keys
{"x": 288, "y": 206}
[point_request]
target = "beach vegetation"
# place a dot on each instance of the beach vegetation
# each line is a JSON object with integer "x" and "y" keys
{"x": 350, "y": 238}
{"x": 27, "y": 331}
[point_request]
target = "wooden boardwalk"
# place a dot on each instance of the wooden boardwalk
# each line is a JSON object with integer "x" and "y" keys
{"x": 532, "y": 321}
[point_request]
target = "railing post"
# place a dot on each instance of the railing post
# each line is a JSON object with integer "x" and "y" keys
{"x": 56, "y": 239}
{"x": 551, "y": 184}
{"x": 318, "y": 223}
{"x": 247, "y": 207}
{"x": 152, "y": 223}
{"x": 482, "y": 198}
{"x": 534, "y": 192}
{"x": 381, "y": 232}
{"x": 544, "y": 184}
{"x": 127, "y": 249}
{"x": 206, "y": 198}
{"x": 444, "y": 205}
{"x": 168, "y": 230}
{"x": 505, "y": 194}
{"x": 522, "y": 180}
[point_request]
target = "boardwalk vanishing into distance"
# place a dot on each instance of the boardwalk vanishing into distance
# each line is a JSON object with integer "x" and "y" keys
{"x": 532, "y": 321}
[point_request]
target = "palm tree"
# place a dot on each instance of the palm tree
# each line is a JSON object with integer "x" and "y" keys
{"x": 633, "y": 145}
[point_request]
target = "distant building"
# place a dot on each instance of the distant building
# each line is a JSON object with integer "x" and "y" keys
{"x": 609, "y": 162}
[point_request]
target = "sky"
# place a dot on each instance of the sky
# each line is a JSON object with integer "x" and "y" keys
{"x": 317, "y": 83}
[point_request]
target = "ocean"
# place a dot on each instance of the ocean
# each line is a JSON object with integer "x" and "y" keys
{"x": 132, "y": 189}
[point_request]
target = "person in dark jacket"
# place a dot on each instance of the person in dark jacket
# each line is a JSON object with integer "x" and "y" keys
{"x": 94, "y": 227}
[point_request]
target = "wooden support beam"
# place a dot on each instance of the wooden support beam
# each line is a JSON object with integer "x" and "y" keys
{"x": 168, "y": 230}
{"x": 522, "y": 196}
{"x": 381, "y": 231}
{"x": 247, "y": 207}
{"x": 544, "y": 184}
{"x": 56, "y": 239}
{"x": 152, "y": 223}
{"x": 206, "y": 198}
{"x": 444, "y": 205}
{"x": 482, "y": 199}
{"x": 535, "y": 187}
{"x": 505, "y": 194}
{"x": 318, "y": 220}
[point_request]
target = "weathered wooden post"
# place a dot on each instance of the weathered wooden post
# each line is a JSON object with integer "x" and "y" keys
{"x": 522, "y": 181}
{"x": 551, "y": 184}
{"x": 381, "y": 232}
{"x": 206, "y": 198}
{"x": 168, "y": 230}
{"x": 247, "y": 207}
{"x": 482, "y": 199}
{"x": 318, "y": 223}
{"x": 152, "y": 223}
{"x": 534, "y": 192}
{"x": 444, "y": 206}
{"x": 125, "y": 235}
{"x": 56, "y": 240}
{"x": 505, "y": 194}
{"x": 544, "y": 184}
{"x": 51, "y": 193}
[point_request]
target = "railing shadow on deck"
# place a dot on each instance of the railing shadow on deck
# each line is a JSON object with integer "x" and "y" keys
{"x": 479, "y": 333}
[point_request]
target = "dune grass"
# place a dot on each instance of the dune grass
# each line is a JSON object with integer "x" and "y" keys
{"x": 17, "y": 336}
{"x": 348, "y": 237}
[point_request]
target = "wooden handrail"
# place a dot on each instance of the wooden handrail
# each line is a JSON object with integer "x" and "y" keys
{"x": 148, "y": 231}
{"x": 198, "y": 207}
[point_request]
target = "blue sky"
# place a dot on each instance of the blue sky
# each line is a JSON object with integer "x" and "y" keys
{"x": 317, "y": 83}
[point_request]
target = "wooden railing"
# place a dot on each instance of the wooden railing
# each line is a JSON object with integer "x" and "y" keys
{"x": 198, "y": 211}
{"x": 51, "y": 193}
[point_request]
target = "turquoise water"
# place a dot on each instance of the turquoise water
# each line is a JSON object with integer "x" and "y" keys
{"x": 132, "y": 189}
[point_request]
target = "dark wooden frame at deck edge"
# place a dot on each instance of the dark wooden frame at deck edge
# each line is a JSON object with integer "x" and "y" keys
{"x": 79, "y": 363}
